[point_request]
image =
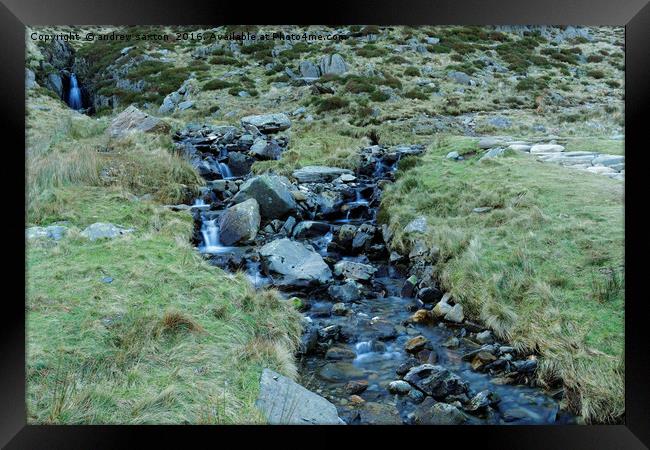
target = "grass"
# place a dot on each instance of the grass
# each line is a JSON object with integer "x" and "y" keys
{"x": 170, "y": 339}
{"x": 543, "y": 269}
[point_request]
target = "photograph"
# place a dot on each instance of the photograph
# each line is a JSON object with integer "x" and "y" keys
{"x": 321, "y": 224}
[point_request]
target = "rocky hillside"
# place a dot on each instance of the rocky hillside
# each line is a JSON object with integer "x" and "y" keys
{"x": 511, "y": 207}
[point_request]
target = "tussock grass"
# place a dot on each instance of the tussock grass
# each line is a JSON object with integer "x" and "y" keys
{"x": 170, "y": 339}
{"x": 543, "y": 269}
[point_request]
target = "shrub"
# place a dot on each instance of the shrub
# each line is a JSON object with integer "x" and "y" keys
{"x": 412, "y": 71}
{"x": 396, "y": 59}
{"x": 332, "y": 103}
{"x": 597, "y": 74}
{"x": 359, "y": 84}
{"x": 216, "y": 84}
{"x": 416, "y": 94}
{"x": 371, "y": 51}
{"x": 379, "y": 96}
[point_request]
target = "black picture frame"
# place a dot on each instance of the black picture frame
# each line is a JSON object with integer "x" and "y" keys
{"x": 15, "y": 14}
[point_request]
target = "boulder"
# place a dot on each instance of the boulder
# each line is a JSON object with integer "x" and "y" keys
{"x": 338, "y": 353}
{"x": 310, "y": 229}
{"x": 431, "y": 413}
{"x": 268, "y": 123}
{"x": 30, "y": 79}
{"x": 272, "y": 194}
{"x": 399, "y": 387}
{"x": 239, "y": 164}
{"x": 417, "y": 225}
{"x": 353, "y": 270}
{"x": 132, "y": 119}
{"x": 455, "y": 314}
{"x": 608, "y": 160}
{"x": 319, "y": 174}
{"x": 546, "y": 148}
{"x": 489, "y": 142}
{"x": 333, "y": 64}
{"x": 264, "y": 149}
{"x": 460, "y": 77}
{"x": 102, "y": 230}
{"x": 429, "y": 295}
{"x": 356, "y": 387}
{"x": 240, "y": 223}
{"x": 55, "y": 232}
{"x": 285, "y": 402}
{"x": 308, "y": 69}
{"x": 415, "y": 344}
{"x": 55, "y": 83}
{"x": 295, "y": 261}
{"x": 346, "y": 292}
{"x": 435, "y": 381}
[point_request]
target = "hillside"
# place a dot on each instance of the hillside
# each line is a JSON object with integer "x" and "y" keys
{"x": 514, "y": 208}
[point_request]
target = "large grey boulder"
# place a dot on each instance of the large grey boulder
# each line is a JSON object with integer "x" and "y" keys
{"x": 285, "y": 402}
{"x": 546, "y": 148}
{"x": 295, "y": 261}
{"x": 354, "y": 271}
{"x": 608, "y": 160}
{"x": 333, "y": 64}
{"x": 55, "y": 83}
{"x": 101, "y": 230}
{"x": 272, "y": 194}
{"x": 264, "y": 149}
{"x": 431, "y": 413}
{"x": 55, "y": 232}
{"x": 30, "y": 79}
{"x": 436, "y": 381}
{"x": 459, "y": 77}
{"x": 132, "y": 119}
{"x": 240, "y": 223}
{"x": 309, "y": 70}
{"x": 319, "y": 174}
{"x": 267, "y": 123}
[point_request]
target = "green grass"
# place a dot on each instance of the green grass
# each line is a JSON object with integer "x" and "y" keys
{"x": 543, "y": 269}
{"x": 171, "y": 339}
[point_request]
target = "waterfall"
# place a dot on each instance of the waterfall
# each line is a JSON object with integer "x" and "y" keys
{"x": 74, "y": 96}
{"x": 210, "y": 233}
{"x": 225, "y": 171}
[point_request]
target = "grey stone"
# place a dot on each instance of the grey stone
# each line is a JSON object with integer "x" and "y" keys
{"x": 436, "y": 381}
{"x": 319, "y": 174}
{"x": 285, "y": 402}
{"x": 460, "y": 77}
{"x": 489, "y": 142}
{"x": 333, "y": 64}
{"x": 608, "y": 160}
{"x": 430, "y": 413}
{"x": 417, "y": 225}
{"x": 308, "y": 69}
{"x": 240, "y": 223}
{"x": 30, "y": 79}
{"x": 310, "y": 228}
{"x": 131, "y": 120}
{"x": 101, "y": 230}
{"x": 346, "y": 292}
{"x": 272, "y": 194}
{"x": 546, "y": 148}
{"x": 492, "y": 153}
{"x": 55, "y": 83}
{"x": 266, "y": 149}
{"x": 354, "y": 270}
{"x": 399, "y": 387}
{"x": 55, "y": 232}
{"x": 295, "y": 261}
{"x": 500, "y": 122}
{"x": 268, "y": 123}
{"x": 185, "y": 105}
{"x": 453, "y": 155}
{"x": 455, "y": 314}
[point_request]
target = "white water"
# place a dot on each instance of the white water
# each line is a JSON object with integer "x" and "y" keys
{"x": 225, "y": 171}
{"x": 74, "y": 97}
{"x": 210, "y": 234}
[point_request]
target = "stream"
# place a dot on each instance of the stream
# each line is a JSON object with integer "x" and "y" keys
{"x": 364, "y": 348}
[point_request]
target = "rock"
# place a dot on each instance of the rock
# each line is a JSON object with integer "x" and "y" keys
{"x": 431, "y": 413}
{"x": 489, "y": 142}
{"x": 346, "y": 292}
{"x": 310, "y": 229}
{"x": 435, "y": 381}
{"x": 442, "y": 307}
{"x": 239, "y": 164}
{"x": 131, "y": 120}
{"x": 285, "y": 402}
{"x": 340, "y": 371}
{"x": 546, "y": 148}
{"x": 417, "y": 343}
{"x": 454, "y": 155}
{"x": 404, "y": 368}
{"x": 608, "y": 160}
{"x": 264, "y": 149}
{"x": 429, "y": 295}
{"x": 408, "y": 287}
{"x": 528, "y": 366}
{"x": 272, "y": 194}
{"x": 319, "y": 174}
{"x": 356, "y": 400}
{"x": 500, "y": 122}
{"x": 354, "y": 270}
{"x": 295, "y": 261}
{"x": 268, "y": 123}
{"x": 55, "y": 83}
{"x": 339, "y": 353}
{"x": 308, "y": 339}
{"x": 339, "y": 309}
{"x": 520, "y": 147}
{"x": 333, "y": 64}
{"x": 455, "y": 314}
{"x": 493, "y": 153}
{"x": 484, "y": 337}
{"x": 482, "y": 209}
{"x": 55, "y": 232}
{"x": 240, "y": 223}
{"x": 102, "y": 230}
{"x": 308, "y": 69}
{"x": 418, "y": 225}
{"x": 460, "y": 77}
{"x": 330, "y": 332}
{"x": 347, "y": 233}
{"x": 384, "y": 330}
{"x": 399, "y": 387}
{"x": 187, "y": 104}
{"x": 481, "y": 401}
{"x": 482, "y": 358}
{"x": 356, "y": 386}
{"x": 30, "y": 79}
{"x": 422, "y": 316}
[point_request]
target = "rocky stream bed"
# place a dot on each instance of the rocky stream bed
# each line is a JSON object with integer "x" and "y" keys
{"x": 382, "y": 342}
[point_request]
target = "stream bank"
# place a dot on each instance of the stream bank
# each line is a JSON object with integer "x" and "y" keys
{"x": 382, "y": 342}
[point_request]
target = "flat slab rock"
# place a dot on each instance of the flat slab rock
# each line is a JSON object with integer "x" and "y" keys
{"x": 319, "y": 174}
{"x": 132, "y": 119}
{"x": 285, "y": 402}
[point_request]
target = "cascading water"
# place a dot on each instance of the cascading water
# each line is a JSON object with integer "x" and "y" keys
{"x": 74, "y": 96}
{"x": 210, "y": 234}
{"x": 225, "y": 171}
